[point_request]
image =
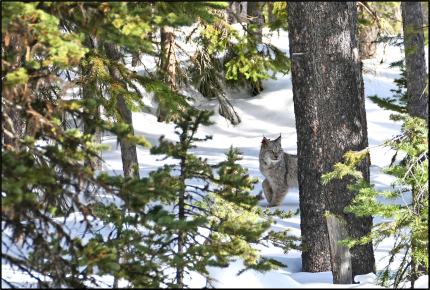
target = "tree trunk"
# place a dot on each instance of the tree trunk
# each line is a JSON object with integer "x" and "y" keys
{"x": 128, "y": 150}
{"x": 270, "y": 15}
{"x": 135, "y": 60}
{"x": 95, "y": 164}
{"x": 416, "y": 72}
{"x": 256, "y": 17}
{"x": 328, "y": 96}
{"x": 236, "y": 12}
{"x": 168, "y": 67}
{"x": 416, "y": 75}
{"x": 15, "y": 124}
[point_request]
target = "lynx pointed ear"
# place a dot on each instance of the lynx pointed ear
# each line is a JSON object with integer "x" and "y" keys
{"x": 264, "y": 142}
{"x": 278, "y": 139}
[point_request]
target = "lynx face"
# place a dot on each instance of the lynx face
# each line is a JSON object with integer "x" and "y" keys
{"x": 272, "y": 150}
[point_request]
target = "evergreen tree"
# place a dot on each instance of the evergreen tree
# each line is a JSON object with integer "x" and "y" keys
{"x": 224, "y": 57}
{"x": 47, "y": 166}
{"x": 408, "y": 222}
{"x": 43, "y": 176}
{"x": 178, "y": 226}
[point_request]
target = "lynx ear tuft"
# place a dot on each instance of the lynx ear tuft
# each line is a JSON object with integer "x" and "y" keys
{"x": 264, "y": 142}
{"x": 278, "y": 139}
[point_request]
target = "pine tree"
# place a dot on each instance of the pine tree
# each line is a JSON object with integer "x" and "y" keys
{"x": 43, "y": 178}
{"x": 178, "y": 225}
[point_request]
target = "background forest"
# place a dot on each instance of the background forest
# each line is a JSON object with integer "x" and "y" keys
{"x": 131, "y": 133}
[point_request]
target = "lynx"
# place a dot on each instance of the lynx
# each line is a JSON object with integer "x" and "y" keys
{"x": 280, "y": 170}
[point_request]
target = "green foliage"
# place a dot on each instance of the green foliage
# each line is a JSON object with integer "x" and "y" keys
{"x": 408, "y": 223}
{"x": 244, "y": 63}
{"x": 179, "y": 225}
{"x": 281, "y": 17}
{"x": 45, "y": 185}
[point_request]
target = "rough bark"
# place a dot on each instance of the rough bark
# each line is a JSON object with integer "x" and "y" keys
{"x": 416, "y": 72}
{"x": 96, "y": 163}
{"x": 330, "y": 115}
{"x": 128, "y": 150}
{"x": 425, "y": 12}
{"x": 168, "y": 66}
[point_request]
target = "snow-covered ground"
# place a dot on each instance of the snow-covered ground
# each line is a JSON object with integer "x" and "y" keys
{"x": 271, "y": 113}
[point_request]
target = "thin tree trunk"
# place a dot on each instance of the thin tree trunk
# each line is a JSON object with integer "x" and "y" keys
{"x": 234, "y": 9}
{"x": 128, "y": 150}
{"x": 181, "y": 235}
{"x": 15, "y": 123}
{"x": 270, "y": 15}
{"x": 330, "y": 120}
{"x": 96, "y": 163}
{"x": 256, "y": 17}
{"x": 168, "y": 67}
{"x": 135, "y": 60}
{"x": 416, "y": 72}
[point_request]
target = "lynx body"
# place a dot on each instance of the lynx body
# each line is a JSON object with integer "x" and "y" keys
{"x": 280, "y": 170}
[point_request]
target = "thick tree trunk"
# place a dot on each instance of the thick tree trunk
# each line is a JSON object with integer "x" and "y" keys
{"x": 96, "y": 163}
{"x": 168, "y": 66}
{"x": 128, "y": 150}
{"x": 416, "y": 72}
{"x": 328, "y": 99}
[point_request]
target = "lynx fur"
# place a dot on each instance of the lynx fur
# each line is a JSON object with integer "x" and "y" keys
{"x": 280, "y": 170}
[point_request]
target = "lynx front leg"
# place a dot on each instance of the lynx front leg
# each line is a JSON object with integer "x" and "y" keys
{"x": 267, "y": 189}
{"x": 279, "y": 197}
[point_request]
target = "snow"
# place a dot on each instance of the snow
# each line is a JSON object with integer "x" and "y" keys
{"x": 271, "y": 113}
